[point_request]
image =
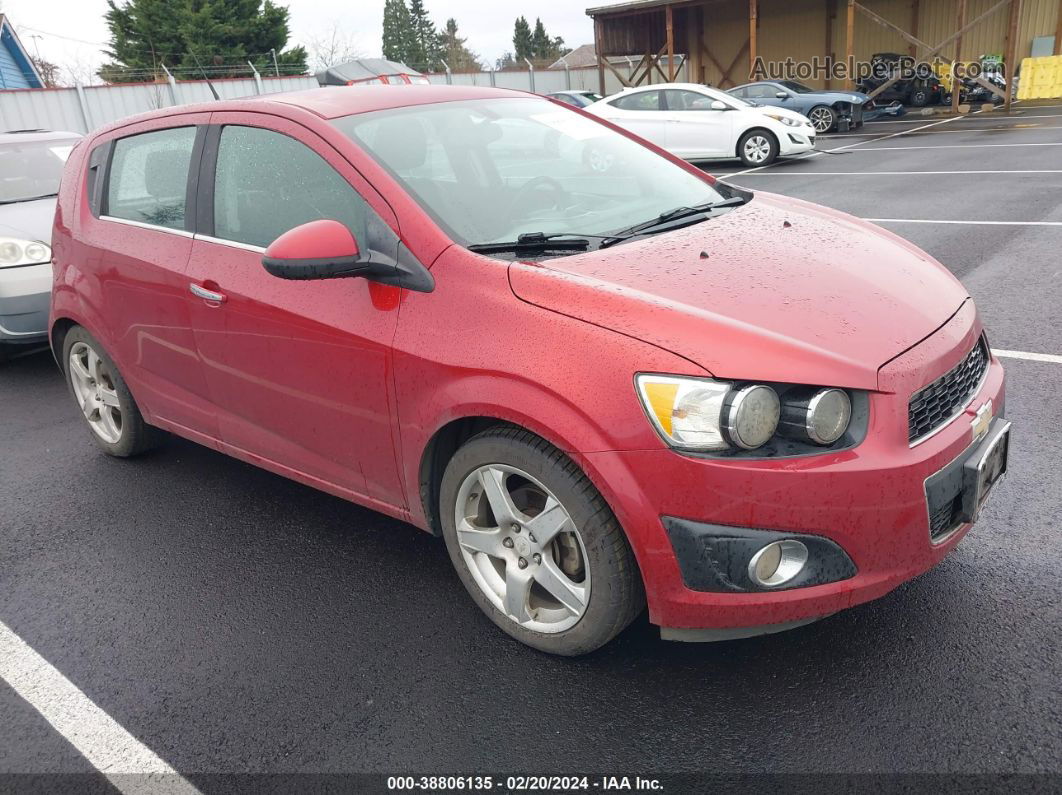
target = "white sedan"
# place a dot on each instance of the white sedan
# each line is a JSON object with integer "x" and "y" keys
{"x": 700, "y": 123}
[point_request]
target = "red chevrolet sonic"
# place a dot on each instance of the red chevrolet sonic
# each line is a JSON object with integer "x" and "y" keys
{"x": 608, "y": 381}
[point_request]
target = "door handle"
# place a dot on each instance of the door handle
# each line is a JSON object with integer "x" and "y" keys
{"x": 207, "y": 295}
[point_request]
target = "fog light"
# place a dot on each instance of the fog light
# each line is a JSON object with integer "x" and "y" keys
{"x": 777, "y": 563}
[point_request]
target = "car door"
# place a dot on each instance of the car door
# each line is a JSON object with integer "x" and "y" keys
{"x": 140, "y": 235}
{"x": 767, "y": 94}
{"x": 640, "y": 112}
{"x": 299, "y": 370}
{"x": 694, "y": 128}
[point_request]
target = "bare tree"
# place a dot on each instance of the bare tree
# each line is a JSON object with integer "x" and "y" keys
{"x": 78, "y": 68}
{"x": 335, "y": 46}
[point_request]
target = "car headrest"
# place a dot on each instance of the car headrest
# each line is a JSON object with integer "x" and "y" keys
{"x": 402, "y": 144}
{"x": 164, "y": 171}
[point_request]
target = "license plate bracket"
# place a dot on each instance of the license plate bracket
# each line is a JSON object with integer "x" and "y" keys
{"x": 984, "y": 468}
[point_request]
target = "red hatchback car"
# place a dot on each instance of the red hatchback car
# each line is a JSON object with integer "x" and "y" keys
{"x": 607, "y": 380}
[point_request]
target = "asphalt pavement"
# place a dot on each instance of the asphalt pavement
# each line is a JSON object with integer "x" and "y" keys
{"x": 236, "y": 622}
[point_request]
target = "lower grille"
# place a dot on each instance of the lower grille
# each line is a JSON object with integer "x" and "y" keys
{"x": 945, "y": 518}
{"x": 936, "y": 404}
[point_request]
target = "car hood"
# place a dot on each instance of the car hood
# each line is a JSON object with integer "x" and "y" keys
{"x": 774, "y": 110}
{"x": 777, "y": 289}
{"x": 28, "y": 220}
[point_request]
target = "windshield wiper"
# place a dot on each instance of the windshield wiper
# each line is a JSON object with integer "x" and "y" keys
{"x": 29, "y": 199}
{"x": 534, "y": 241}
{"x": 669, "y": 216}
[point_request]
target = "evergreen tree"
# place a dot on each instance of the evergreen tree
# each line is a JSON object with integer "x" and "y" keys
{"x": 219, "y": 36}
{"x": 397, "y": 32}
{"x": 540, "y": 42}
{"x": 454, "y": 51}
{"x": 522, "y": 47}
{"x": 426, "y": 52}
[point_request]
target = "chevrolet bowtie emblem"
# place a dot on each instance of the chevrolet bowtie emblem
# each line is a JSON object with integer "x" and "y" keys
{"x": 982, "y": 420}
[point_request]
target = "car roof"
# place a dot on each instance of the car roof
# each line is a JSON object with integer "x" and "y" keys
{"x": 333, "y": 102}
{"x": 664, "y": 86}
{"x": 14, "y": 136}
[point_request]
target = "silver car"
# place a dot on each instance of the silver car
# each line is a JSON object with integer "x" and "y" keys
{"x": 31, "y": 163}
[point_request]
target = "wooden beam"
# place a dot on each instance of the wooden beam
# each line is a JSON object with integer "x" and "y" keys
{"x": 734, "y": 63}
{"x": 913, "y": 49}
{"x": 849, "y": 54}
{"x": 655, "y": 61}
{"x": 601, "y": 60}
{"x": 830, "y": 16}
{"x": 754, "y": 13}
{"x": 670, "y": 24}
{"x": 956, "y": 86}
{"x": 601, "y": 64}
{"x": 1010, "y": 58}
{"x": 1058, "y": 31}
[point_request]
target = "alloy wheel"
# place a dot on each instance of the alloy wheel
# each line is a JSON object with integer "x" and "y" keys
{"x": 522, "y": 548}
{"x": 95, "y": 392}
{"x": 821, "y": 119}
{"x": 757, "y": 149}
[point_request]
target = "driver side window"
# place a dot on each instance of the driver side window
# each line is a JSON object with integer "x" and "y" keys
{"x": 267, "y": 183}
{"x": 643, "y": 100}
{"x": 686, "y": 100}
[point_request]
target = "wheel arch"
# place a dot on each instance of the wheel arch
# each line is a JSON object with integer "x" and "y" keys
{"x": 752, "y": 129}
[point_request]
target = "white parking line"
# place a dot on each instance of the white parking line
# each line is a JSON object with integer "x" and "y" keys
{"x": 883, "y": 173}
{"x": 948, "y": 146}
{"x": 850, "y": 146}
{"x": 128, "y": 764}
{"x": 1012, "y": 128}
{"x": 972, "y": 223}
{"x": 1032, "y": 357}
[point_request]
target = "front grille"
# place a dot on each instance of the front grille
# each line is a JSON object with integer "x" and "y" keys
{"x": 934, "y": 405}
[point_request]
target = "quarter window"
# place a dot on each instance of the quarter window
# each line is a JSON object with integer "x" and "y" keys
{"x": 267, "y": 183}
{"x": 149, "y": 177}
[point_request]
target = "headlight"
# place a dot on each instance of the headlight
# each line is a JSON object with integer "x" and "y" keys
{"x": 703, "y": 414}
{"x": 23, "y": 252}
{"x": 819, "y": 416}
{"x": 788, "y": 122}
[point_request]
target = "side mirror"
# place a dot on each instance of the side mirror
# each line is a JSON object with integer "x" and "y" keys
{"x": 782, "y": 95}
{"x": 717, "y": 105}
{"x": 316, "y": 250}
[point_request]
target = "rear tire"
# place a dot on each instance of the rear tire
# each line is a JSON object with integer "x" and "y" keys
{"x": 757, "y": 148}
{"x": 919, "y": 97}
{"x": 112, "y": 416}
{"x": 567, "y": 591}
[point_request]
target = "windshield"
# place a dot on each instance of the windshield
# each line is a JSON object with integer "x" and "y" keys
{"x": 31, "y": 169}
{"x": 799, "y": 88}
{"x": 491, "y": 170}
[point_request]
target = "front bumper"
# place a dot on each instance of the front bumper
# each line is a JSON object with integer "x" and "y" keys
{"x": 870, "y": 501}
{"x": 25, "y": 296}
{"x": 796, "y": 140}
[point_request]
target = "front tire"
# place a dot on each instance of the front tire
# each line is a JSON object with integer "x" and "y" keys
{"x": 823, "y": 118}
{"x": 535, "y": 545}
{"x": 113, "y": 418}
{"x": 757, "y": 148}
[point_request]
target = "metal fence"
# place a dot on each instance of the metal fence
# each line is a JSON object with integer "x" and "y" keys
{"x": 84, "y": 108}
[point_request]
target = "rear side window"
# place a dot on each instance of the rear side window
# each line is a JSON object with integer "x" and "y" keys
{"x": 267, "y": 183}
{"x": 148, "y": 177}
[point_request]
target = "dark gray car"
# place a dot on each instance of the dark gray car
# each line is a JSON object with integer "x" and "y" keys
{"x": 31, "y": 163}
{"x": 827, "y": 110}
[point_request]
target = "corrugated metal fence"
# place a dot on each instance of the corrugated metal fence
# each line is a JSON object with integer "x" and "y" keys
{"x": 83, "y": 109}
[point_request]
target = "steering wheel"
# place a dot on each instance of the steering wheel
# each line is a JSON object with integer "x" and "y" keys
{"x": 536, "y": 183}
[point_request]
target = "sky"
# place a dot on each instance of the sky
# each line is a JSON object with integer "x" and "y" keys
{"x": 71, "y": 33}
